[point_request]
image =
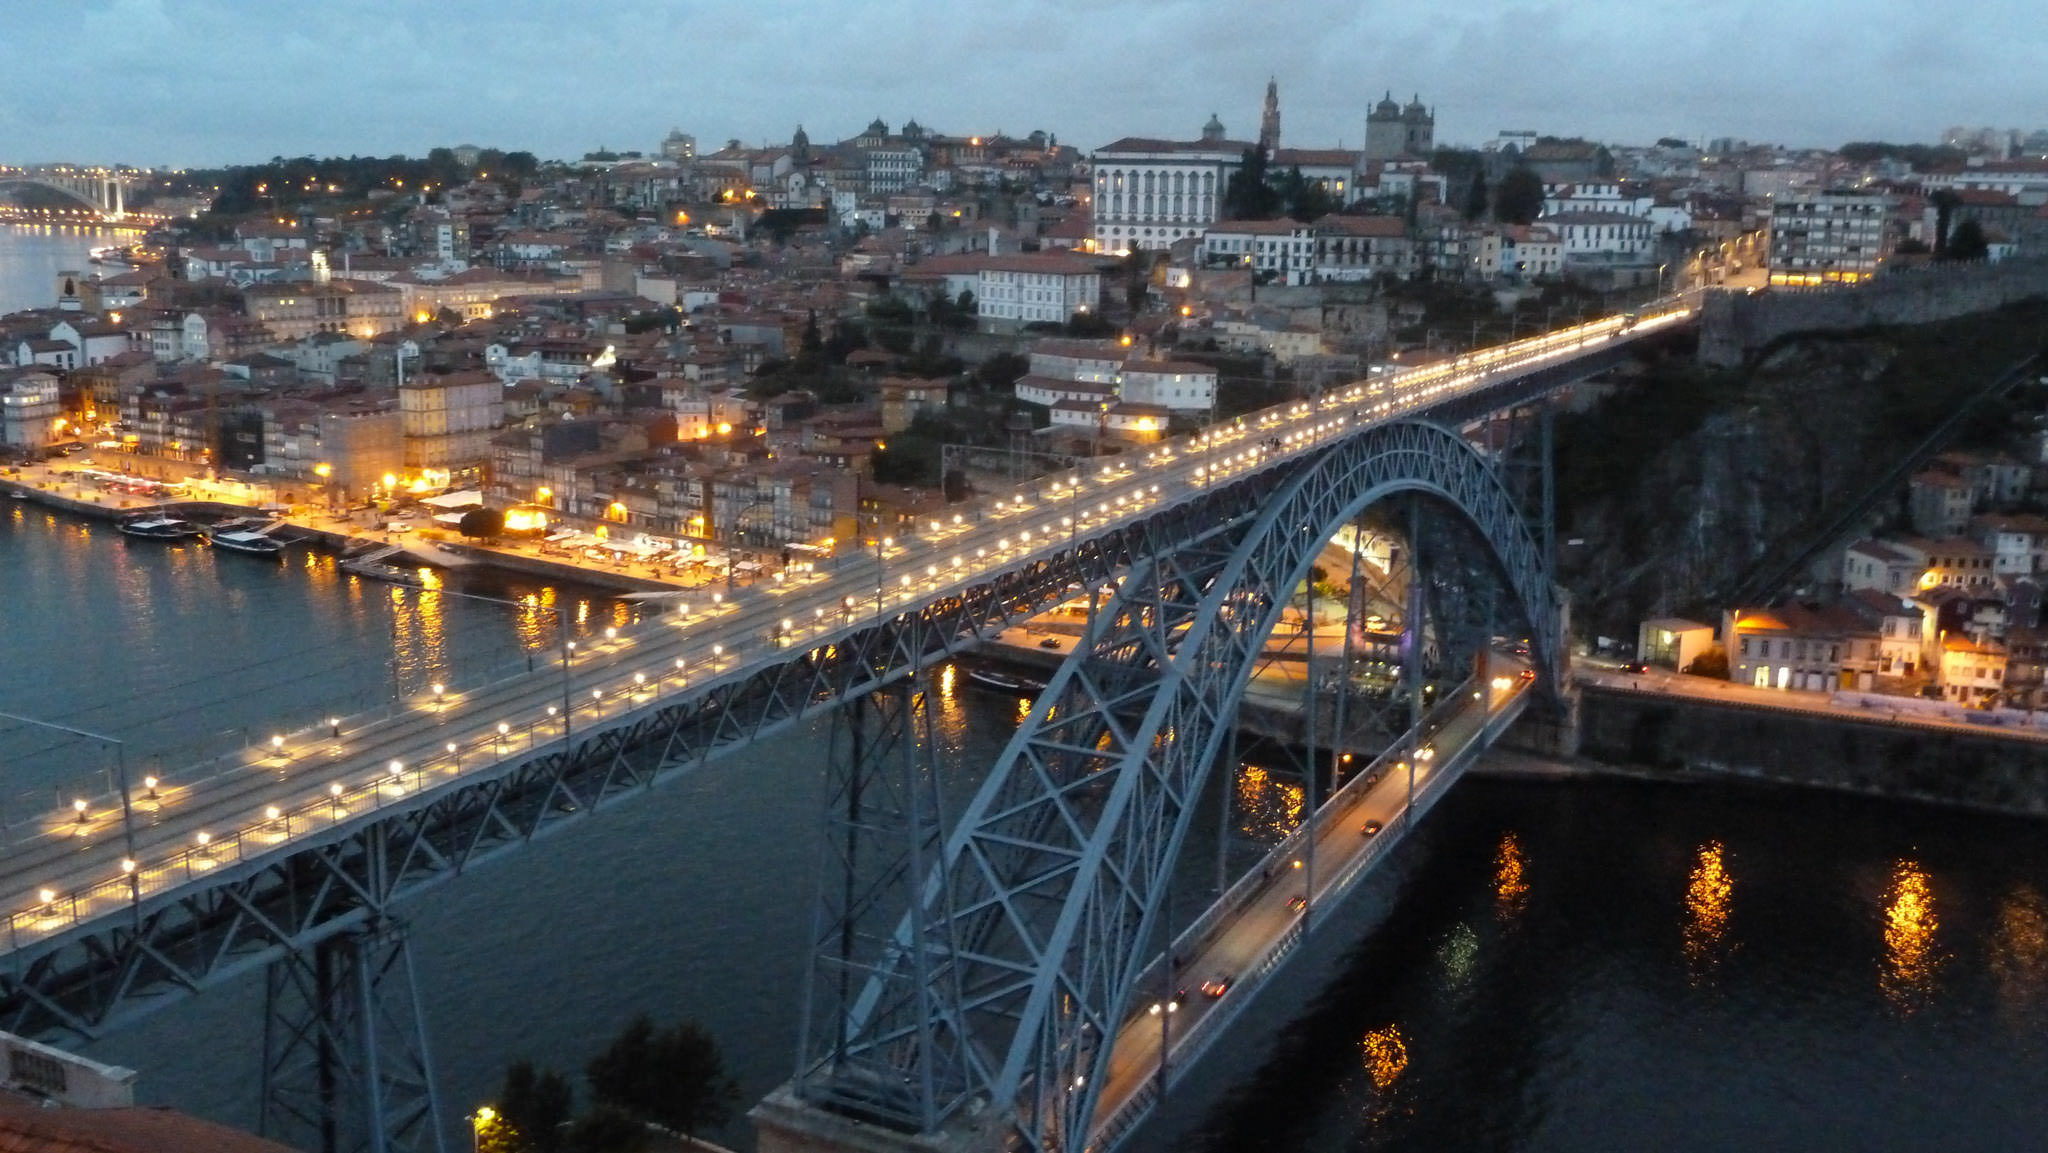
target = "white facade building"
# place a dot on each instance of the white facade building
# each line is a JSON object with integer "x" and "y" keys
{"x": 1827, "y": 237}
{"x": 1031, "y": 287}
{"x": 1608, "y": 235}
{"x": 1283, "y": 251}
{"x": 29, "y": 411}
{"x": 1150, "y": 193}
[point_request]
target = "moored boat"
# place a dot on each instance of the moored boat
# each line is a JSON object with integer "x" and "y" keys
{"x": 378, "y": 570}
{"x": 158, "y": 526}
{"x": 1004, "y": 682}
{"x": 246, "y": 540}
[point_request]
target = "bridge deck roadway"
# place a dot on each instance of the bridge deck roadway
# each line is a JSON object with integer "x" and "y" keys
{"x": 1248, "y": 942}
{"x": 77, "y": 872}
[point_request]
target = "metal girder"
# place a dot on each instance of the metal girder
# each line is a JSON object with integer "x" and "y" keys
{"x": 345, "y": 1060}
{"x": 248, "y": 911}
{"x": 884, "y": 833}
{"x": 1056, "y": 872}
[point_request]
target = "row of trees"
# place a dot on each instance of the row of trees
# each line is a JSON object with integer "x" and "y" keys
{"x": 287, "y": 182}
{"x": 1256, "y": 192}
{"x": 672, "y": 1079}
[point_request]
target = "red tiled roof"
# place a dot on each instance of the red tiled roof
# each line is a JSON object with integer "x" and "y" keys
{"x": 26, "y": 1128}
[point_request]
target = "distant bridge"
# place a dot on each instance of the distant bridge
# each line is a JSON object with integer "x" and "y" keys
{"x": 104, "y": 190}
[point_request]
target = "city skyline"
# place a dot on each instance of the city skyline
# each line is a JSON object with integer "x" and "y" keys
{"x": 223, "y": 81}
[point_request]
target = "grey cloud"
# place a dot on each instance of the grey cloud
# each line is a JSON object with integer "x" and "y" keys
{"x": 208, "y": 81}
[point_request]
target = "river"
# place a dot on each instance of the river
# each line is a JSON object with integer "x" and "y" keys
{"x": 1579, "y": 965}
{"x": 31, "y": 256}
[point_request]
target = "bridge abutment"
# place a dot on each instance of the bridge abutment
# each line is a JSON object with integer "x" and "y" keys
{"x": 786, "y": 1123}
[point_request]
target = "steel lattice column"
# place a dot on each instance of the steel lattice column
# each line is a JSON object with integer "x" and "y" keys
{"x": 883, "y": 838}
{"x": 345, "y": 1060}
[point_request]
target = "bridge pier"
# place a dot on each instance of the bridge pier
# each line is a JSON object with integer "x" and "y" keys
{"x": 345, "y": 1061}
{"x": 786, "y": 1123}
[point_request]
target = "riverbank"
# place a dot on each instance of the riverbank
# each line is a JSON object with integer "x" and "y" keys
{"x": 338, "y": 534}
{"x": 1646, "y": 735}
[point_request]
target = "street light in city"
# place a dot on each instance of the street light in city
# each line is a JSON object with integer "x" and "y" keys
{"x": 120, "y": 770}
{"x": 568, "y": 649}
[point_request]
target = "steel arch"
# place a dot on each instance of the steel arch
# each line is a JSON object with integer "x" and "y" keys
{"x": 1055, "y": 874}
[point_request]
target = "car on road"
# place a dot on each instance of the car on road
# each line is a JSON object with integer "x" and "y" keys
{"x": 1297, "y": 903}
{"x": 1370, "y": 827}
{"x": 1528, "y": 674}
{"x": 1635, "y": 667}
{"x": 1049, "y": 643}
{"x": 1216, "y": 986}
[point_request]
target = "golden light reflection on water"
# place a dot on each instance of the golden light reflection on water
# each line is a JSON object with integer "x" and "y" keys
{"x": 1386, "y": 1056}
{"x": 2019, "y": 950}
{"x": 1510, "y": 888}
{"x": 1911, "y": 961}
{"x": 1708, "y": 895}
{"x": 1267, "y": 808}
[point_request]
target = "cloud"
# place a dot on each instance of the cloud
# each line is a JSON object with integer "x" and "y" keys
{"x": 212, "y": 81}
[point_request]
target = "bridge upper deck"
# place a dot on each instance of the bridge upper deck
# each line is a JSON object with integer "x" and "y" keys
{"x": 318, "y": 786}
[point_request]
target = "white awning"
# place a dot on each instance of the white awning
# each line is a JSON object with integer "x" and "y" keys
{"x": 468, "y": 498}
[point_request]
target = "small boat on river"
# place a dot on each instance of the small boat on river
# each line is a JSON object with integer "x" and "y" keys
{"x": 246, "y": 540}
{"x": 1004, "y": 682}
{"x": 158, "y": 526}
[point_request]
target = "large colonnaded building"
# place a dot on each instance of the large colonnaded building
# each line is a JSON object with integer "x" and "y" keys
{"x": 1150, "y": 193}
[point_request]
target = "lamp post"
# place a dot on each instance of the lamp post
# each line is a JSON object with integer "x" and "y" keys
{"x": 120, "y": 770}
{"x": 568, "y": 647}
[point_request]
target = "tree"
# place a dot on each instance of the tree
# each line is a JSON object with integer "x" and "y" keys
{"x": 1003, "y": 369}
{"x": 673, "y": 1077}
{"x": 1945, "y": 201}
{"x": 1138, "y": 282}
{"x": 535, "y": 1104}
{"x": 1475, "y": 196}
{"x": 606, "y": 1129}
{"x": 1968, "y": 242}
{"x": 810, "y": 350}
{"x": 1249, "y": 195}
{"x": 1089, "y": 324}
{"x": 487, "y": 523}
{"x": 1519, "y": 199}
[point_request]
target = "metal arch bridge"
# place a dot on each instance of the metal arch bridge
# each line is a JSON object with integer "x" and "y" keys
{"x": 291, "y": 858}
{"x": 1026, "y": 935}
{"x": 104, "y": 190}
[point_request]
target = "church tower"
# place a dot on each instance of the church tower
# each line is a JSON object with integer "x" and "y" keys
{"x": 1269, "y": 121}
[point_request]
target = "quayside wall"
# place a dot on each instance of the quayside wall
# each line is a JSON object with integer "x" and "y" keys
{"x": 1661, "y": 736}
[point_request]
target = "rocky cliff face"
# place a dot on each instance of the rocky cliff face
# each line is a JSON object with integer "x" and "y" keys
{"x": 1678, "y": 483}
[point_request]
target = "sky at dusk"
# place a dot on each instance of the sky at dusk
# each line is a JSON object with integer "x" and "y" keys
{"x": 203, "y": 82}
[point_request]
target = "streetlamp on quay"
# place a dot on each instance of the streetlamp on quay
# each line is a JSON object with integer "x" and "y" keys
{"x": 120, "y": 770}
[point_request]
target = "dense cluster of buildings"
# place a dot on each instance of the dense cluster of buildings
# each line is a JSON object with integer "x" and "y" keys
{"x": 1948, "y": 608}
{"x": 591, "y": 340}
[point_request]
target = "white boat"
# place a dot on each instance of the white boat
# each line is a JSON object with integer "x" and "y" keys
{"x": 246, "y": 540}
{"x": 157, "y": 526}
{"x": 1004, "y": 682}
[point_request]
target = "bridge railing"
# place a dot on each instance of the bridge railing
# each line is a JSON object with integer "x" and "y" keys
{"x": 1199, "y": 1037}
{"x": 1418, "y": 387}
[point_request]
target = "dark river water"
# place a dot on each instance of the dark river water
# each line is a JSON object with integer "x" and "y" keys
{"x": 1564, "y": 966}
